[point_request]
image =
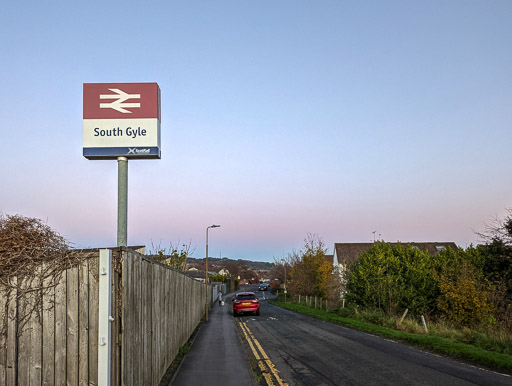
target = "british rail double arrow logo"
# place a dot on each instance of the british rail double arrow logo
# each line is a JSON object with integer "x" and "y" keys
{"x": 119, "y": 103}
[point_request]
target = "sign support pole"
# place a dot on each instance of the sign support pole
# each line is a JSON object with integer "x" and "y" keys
{"x": 122, "y": 201}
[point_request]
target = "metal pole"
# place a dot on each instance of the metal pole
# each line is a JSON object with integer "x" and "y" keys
{"x": 122, "y": 201}
{"x": 206, "y": 276}
{"x": 206, "y": 270}
{"x": 285, "y": 291}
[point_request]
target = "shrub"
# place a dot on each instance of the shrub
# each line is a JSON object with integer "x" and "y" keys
{"x": 464, "y": 297}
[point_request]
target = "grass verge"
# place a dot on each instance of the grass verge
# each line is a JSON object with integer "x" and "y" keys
{"x": 449, "y": 347}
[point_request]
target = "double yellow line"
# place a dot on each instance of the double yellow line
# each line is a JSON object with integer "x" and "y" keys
{"x": 264, "y": 361}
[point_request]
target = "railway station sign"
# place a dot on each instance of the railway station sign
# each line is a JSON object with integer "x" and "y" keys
{"x": 121, "y": 120}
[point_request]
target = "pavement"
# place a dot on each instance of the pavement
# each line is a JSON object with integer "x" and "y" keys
{"x": 216, "y": 357}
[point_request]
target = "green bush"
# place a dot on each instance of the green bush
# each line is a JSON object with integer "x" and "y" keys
{"x": 394, "y": 279}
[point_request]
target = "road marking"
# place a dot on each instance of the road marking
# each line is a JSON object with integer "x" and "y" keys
{"x": 263, "y": 368}
{"x": 263, "y": 359}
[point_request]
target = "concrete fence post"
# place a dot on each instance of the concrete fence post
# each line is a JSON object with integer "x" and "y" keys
{"x": 104, "y": 316}
{"x": 424, "y": 323}
{"x": 403, "y": 316}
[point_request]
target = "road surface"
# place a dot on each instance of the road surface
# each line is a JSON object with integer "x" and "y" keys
{"x": 295, "y": 349}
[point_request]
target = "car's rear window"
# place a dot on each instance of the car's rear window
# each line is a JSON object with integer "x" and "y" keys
{"x": 245, "y": 297}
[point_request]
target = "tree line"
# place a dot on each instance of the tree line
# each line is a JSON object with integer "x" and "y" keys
{"x": 468, "y": 287}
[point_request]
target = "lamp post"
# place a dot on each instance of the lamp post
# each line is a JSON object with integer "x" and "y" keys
{"x": 206, "y": 271}
{"x": 284, "y": 281}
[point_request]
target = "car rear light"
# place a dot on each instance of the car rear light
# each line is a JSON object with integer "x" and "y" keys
{"x": 255, "y": 301}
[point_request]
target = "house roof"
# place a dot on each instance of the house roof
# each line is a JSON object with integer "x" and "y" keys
{"x": 329, "y": 258}
{"x": 350, "y": 252}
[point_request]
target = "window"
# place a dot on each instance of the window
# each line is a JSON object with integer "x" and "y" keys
{"x": 245, "y": 297}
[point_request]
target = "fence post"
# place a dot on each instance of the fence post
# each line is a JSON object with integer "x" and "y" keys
{"x": 424, "y": 324}
{"x": 299, "y": 299}
{"x": 104, "y": 317}
{"x": 403, "y": 316}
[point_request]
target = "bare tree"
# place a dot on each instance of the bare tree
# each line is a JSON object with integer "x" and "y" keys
{"x": 32, "y": 259}
{"x": 176, "y": 255}
{"x": 499, "y": 230}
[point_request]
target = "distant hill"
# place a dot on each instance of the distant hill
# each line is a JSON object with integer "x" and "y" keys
{"x": 253, "y": 265}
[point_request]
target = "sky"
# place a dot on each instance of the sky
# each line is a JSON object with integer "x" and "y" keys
{"x": 279, "y": 119}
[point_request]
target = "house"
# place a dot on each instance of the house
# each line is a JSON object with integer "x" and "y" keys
{"x": 224, "y": 272}
{"x": 347, "y": 253}
{"x": 329, "y": 258}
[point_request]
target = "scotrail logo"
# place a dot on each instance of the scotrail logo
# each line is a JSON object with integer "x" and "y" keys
{"x": 119, "y": 104}
{"x": 136, "y": 151}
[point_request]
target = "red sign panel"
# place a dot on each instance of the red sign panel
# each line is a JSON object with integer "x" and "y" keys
{"x": 121, "y": 100}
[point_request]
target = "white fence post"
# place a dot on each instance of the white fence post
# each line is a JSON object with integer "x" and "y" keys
{"x": 104, "y": 317}
{"x": 424, "y": 323}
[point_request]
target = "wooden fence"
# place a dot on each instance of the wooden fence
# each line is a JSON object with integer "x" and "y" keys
{"x": 155, "y": 311}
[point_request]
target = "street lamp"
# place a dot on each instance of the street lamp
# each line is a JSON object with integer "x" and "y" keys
{"x": 285, "y": 291}
{"x": 206, "y": 271}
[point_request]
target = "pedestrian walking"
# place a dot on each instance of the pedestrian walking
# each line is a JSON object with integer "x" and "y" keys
{"x": 220, "y": 298}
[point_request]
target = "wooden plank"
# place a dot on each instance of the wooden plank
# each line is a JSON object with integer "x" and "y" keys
{"x": 24, "y": 343}
{"x": 158, "y": 322}
{"x": 93, "y": 306}
{"x": 164, "y": 320}
{"x": 132, "y": 333}
{"x": 137, "y": 313}
{"x": 154, "y": 326}
{"x": 147, "y": 284}
{"x": 184, "y": 312}
{"x": 3, "y": 335}
{"x": 48, "y": 371}
{"x": 72, "y": 326}
{"x": 83, "y": 324}
{"x": 172, "y": 303}
{"x": 60, "y": 330}
{"x": 171, "y": 296}
{"x": 36, "y": 332}
{"x": 167, "y": 328}
{"x": 183, "y": 328}
{"x": 127, "y": 369}
{"x": 12, "y": 353}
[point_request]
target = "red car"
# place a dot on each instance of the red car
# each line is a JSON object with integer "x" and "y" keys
{"x": 245, "y": 302}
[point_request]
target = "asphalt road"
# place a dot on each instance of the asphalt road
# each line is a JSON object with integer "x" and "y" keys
{"x": 296, "y": 349}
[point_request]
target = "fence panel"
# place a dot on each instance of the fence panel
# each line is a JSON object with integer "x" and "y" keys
{"x": 161, "y": 308}
{"x": 155, "y": 310}
{"x": 49, "y": 329}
